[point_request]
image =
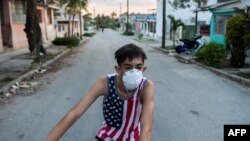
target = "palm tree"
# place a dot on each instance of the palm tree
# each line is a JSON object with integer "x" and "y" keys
{"x": 113, "y": 14}
{"x": 174, "y": 26}
{"x": 74, "y": 7}
{"x": 186, "y": 3}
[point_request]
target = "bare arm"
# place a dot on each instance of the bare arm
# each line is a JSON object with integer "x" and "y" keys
{"x": 147, "y": 111}
{"x": 97, "y": 89}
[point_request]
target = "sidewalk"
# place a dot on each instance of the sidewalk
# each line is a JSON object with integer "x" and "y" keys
{"x": 8, "y": 54}
{"x": 17, "y": 65}
{"x": 230, "y": 73}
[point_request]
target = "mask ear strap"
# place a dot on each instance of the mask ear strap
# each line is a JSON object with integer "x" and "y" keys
{"x": 141, "y": 87}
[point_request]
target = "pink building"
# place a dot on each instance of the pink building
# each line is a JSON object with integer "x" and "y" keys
{"x": 13, "y": 19}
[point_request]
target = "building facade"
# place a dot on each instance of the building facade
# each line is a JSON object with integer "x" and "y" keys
{"x": 13, "y": 19}
{"x": 159, "y": 17}
{"x": 221, "y": 12}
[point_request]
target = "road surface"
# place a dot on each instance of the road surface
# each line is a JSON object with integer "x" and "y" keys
{"x": 191, "y": 103}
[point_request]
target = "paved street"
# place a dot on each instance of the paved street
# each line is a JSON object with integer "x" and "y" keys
{"x": 191, "y": 103}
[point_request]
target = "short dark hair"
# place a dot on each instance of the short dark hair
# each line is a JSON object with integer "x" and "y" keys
{"x": 129, "y": 51}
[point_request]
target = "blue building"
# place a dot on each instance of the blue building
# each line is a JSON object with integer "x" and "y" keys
{"x": 221, "y": 12}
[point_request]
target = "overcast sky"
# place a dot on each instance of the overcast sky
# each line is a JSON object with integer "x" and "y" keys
{"x": 106, "y": 7}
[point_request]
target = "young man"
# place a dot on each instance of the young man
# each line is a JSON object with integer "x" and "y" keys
{"x": 127, "y": 105}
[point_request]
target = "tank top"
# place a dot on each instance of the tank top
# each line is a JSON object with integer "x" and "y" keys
{"x": 121, "y": 117}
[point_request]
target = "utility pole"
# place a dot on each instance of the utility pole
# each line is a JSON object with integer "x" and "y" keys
{"x": 120, "y": 8}
{"x": 80, "y": 14}
{"x": 127, "y": 15}
{"x": 196, "y": 21}
{"x": 163, "y": 24}
{"x": 94, "y": 13}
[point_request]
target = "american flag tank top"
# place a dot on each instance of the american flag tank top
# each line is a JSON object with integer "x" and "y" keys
{"x": 122, "y": 117}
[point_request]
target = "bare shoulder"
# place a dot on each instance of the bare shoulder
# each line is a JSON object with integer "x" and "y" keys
{"x": 148, "y": 91}
{"x": 149, "y": 84}
{"x": 101, "y": 85}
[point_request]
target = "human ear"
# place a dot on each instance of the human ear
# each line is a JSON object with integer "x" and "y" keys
{"x": 117, "y": 69}
{"x": 144, "y": 68}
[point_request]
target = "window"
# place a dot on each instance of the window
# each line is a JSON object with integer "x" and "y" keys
{"x": 221, "y": 24}
{"x": 49, "y": 13}
{"x": 18, "y": 8}
{"x": 151, "y": 27}
{"x": 40, "y": 16}
{"x": 75, "y": 24}
{"x": 59, "y": 28}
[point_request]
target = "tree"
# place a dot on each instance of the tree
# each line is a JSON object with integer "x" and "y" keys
{"x": 186, "y": 3}
{"x": 74, "y": 7}
{"x": 33, "y": 30}
{"x": 113, "y": 14}
{"x": 174, "y": 26}
{"x": 236, "y": 34}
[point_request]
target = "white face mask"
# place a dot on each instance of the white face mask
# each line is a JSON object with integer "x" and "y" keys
{"x": 132, "y": 79}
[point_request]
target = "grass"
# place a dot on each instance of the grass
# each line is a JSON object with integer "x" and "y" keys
{"x": 6, "y": 79}
{"x": 245, "y": 75}
{"x": 89, "y": 34}
{"x": 49, "y": 56}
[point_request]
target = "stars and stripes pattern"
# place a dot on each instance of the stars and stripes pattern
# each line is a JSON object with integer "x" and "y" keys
{"x": 122, "y": 117}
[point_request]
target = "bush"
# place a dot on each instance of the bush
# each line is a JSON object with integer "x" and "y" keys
{"x": 236, "y": 36}
{"x": 129, "y": 33}
{"x": 213, "y": 54}
{"x": 67, "y": 41}
{"x": 140, "y": 36}
{"x": 90, "y": 34}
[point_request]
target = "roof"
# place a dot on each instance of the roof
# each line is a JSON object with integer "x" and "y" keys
{"x": 217, "y": 5}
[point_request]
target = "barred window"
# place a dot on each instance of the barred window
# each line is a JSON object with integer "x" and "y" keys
{"x": 59, "y": 28}
{"x": 49, "y": 13}
{"x": 19, "y": 11}
{"x": 151, "y": 27}
{"x": 40, "y": 15}
{"x": 221, "y": 24}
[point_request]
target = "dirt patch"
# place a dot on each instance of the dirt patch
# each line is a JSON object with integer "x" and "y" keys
{"x": 6, "y": 77}
{"x": 38, "y": 80}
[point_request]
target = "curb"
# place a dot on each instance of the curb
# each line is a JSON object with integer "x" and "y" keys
{"x": 235, "y": 78}
{"x": 243, "y": 81}
{"x": 6, "y": 87}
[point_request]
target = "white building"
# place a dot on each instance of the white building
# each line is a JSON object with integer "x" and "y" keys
{"x": 184, "y": 14}
{"x": 159, "y": 17}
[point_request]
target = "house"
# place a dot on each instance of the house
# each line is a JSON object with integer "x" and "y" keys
{"x": 66, "y": 25}
{"x": 141, "y": 23}
{"x": 144, "y": 23}
{"x": 123, "y": 20}
{"x": 13, "y": 19}
{"x": 159, "y": 15}
{"x": 46, "y": 11}
{"x": 221, "y": 12}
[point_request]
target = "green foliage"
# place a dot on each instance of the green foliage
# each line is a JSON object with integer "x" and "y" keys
{"x": 245, "y": 75}
{"x": 186, "y": 3}
{"x": 236, "y": 34}
{"x": 174, "y": 26}
{"x": 6, "y": 79}
{"x": 213, "y": 54}
{"x": 67, "y": 41}
{"x": 89, "y": 34}
{"x": 104, "y": 22}
{"x": 129, "y": 33}
{"x": 128, "y": 26}
{"x": 140, "y": 36}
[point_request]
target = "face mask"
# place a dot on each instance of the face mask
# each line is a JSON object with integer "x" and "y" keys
{"x": 132, "y": 79}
